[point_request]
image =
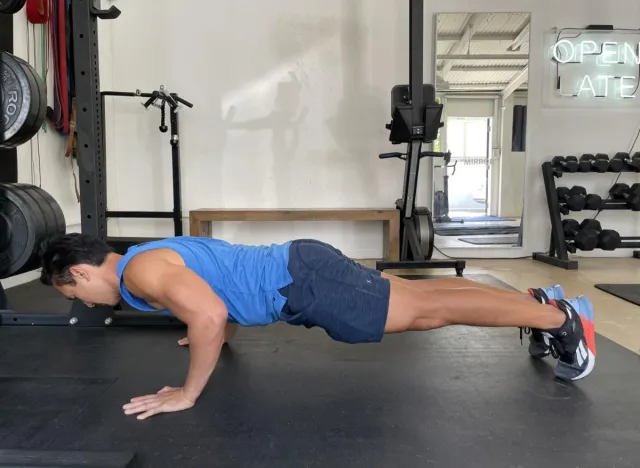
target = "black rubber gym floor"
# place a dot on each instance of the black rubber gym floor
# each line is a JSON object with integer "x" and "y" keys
{"x": 285, "y": 396}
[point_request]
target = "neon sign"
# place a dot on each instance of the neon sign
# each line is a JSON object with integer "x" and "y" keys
{"x": 609, "y": 64}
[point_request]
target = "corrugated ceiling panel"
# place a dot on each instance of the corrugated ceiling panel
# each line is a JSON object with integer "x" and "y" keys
{"x": 503, "y": 23}
{"x": 501, "y": 47}
{"x": 480, "y": 77}
{"x": 485, "y": 23}
{"x": 452, "y": 22}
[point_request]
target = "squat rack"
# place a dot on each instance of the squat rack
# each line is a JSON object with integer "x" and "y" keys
{"x": 92, "y": 175}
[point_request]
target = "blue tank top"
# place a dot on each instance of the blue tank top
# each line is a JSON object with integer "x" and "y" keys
{"x": 247, "y": 278}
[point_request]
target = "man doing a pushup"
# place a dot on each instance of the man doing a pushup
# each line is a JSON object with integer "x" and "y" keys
{"x": 212, "y": 286}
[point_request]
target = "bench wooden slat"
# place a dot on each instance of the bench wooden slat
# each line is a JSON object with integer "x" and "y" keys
{"x": 201, "y": 219}
{"x": 295, "y": 215}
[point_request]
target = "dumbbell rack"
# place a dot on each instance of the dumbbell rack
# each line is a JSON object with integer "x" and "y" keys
{"x": 558, "y": 253}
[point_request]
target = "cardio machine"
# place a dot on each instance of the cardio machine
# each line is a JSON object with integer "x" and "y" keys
{"x": 416, "y": 119}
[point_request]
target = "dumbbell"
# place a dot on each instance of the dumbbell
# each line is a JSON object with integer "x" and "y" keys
{"x": 617, "y": 164}
{"x": 609, "y": 239}
{"x": 595, "y": 202}
{"x": 631, "y": 162}
{"x": 583, "y": 235}
{"x": 591, "y": 163}
{"x": 566, "y": 164}
{"x": 631, "y": 195}
{"x": 573, "y": 198}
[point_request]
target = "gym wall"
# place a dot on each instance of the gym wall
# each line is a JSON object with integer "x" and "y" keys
{"x": 290, "y": 102}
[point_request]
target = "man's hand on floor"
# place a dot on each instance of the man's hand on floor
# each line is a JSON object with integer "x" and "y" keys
{"x": 167, "y": 400}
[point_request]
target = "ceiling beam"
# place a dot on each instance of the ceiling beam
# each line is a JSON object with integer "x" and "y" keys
{"x": 462, "y": 45}
{"x": 479, "y": 37}
{"x": 498, "y": 87}
{"x": 517, "y": 81}
{"x": 521, "y": 39}
{"x": 488, "y": 68}
{"x": 483, "y": 57}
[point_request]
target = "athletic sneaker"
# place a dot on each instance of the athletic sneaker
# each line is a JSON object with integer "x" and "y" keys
{"x": 574, "y": 342}
{"x": 538, "y": 343}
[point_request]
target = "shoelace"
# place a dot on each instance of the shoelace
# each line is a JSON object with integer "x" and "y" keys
{"x": 555, "y": 347}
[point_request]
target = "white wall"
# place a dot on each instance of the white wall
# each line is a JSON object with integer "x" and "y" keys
{"x": 290, "y": 107}
{"x": 512, "y": 164}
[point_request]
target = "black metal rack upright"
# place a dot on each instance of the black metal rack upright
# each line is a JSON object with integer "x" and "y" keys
{"x": 92, "y": 175}
{"x": 558, "y": 253}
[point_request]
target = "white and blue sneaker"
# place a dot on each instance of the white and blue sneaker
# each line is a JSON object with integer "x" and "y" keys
{"x": 539, "y": 346}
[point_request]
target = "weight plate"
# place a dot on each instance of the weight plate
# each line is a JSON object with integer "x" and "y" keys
{"x": 10, "y": 7}
{"x": 16, "y": 97}
{"x": 61, "y": 223}
{"x": 37, "y": 110}
{"x": 53, "y": 216}
{"x": 18, "y": 230}
{"x": 424, "y": 226}
{"x": 24, "y": 133}
{"x": 42, "y": 216}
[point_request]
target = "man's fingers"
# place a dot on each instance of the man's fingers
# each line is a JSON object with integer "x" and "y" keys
{"x": 144, "y": 398}
{"x": 140, "y": 407}
{"x": 183, "y": 341}
{"x": 150, "y": 413}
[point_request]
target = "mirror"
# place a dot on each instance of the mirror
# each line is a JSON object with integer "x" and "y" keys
{"x": 482, "y": 72}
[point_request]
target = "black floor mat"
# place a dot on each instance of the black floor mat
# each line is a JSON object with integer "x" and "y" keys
{"x": 34, "y": 408}
{"x": 497, "y": 240}
{"x": 285, "y": 397}
{"x": 627, "y": 292}
{"x": 477, "y": 231}
{"x": 51, "y": 459}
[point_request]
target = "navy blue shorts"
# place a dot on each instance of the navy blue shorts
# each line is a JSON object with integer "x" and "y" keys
{"x": 331, "y": 291}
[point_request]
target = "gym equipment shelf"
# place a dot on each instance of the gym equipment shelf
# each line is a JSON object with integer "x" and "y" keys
{"x": 558, "y": 253}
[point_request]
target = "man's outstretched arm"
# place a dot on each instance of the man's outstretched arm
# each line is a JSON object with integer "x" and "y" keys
{"x": 190, "y": 299}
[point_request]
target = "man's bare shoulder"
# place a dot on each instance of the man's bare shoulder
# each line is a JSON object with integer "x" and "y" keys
{"x": 145, "y": 273}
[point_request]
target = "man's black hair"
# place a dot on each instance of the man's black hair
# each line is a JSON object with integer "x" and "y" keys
{"x": 61, "y": 252}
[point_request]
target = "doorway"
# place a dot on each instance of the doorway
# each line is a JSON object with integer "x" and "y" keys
{"x": 469, "y": 140}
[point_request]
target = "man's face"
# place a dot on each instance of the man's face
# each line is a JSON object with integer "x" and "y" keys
{"x": 90, "y": 287}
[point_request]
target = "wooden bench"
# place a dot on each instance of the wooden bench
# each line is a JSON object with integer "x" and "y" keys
{"x": 200, "y": 221}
